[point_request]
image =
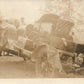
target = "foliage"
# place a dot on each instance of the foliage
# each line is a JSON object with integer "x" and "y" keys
{"x": 69, "y": 9}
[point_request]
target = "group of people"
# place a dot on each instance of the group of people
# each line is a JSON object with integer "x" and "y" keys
{"x": 47, "y": 59}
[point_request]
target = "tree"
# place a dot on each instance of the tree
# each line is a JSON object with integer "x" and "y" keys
{"x": 57, "y": 6}
{"x": 69, "y": 9}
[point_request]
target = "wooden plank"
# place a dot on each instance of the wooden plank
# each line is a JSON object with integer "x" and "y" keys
{"x": 20, "y": 54}
{"x": 64, "y": 52}
{"x": 67, "y": 53}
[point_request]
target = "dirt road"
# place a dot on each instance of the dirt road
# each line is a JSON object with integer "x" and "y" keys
{"x": 15, "y": 67}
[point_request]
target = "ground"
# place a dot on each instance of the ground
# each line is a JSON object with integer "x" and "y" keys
{"x": 15, "y": 67}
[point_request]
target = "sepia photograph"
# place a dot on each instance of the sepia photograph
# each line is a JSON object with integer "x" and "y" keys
{"x": 41, "y": 39}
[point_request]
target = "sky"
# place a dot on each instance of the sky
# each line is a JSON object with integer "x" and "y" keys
{"x": 29, "y": 9}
